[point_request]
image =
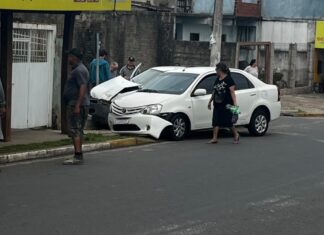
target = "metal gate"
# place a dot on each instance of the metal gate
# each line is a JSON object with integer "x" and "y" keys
{"x": 33, "y": 64}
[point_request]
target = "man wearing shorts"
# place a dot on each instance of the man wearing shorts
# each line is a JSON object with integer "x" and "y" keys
{"x": 77, "y": 100}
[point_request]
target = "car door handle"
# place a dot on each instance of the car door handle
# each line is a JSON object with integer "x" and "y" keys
{"x": 253, "y": 94}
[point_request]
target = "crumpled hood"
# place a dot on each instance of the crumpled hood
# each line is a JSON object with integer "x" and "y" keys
{"x": 108, "y": 90}
{"x": 140, "y": 99}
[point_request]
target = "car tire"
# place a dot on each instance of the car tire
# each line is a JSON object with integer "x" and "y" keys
{"x": 259, "y": 123}
{"x": 179, "y": 128}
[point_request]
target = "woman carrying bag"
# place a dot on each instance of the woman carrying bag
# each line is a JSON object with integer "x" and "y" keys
{"x": 223, "y": 99}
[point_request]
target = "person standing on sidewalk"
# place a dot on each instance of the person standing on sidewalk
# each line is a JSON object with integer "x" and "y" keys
{"x": 253, "y": 68}
{"x": 114, "y": 69}
{"x": 77, "y": 100}
{"x": 223, "y": 95}
{"x": 104, "y": 69}
{"x": 128, "y": 69}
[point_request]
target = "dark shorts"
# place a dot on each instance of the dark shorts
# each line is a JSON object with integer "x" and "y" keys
{"x": 76, "y": 122}
{"x": 222, "y": 117}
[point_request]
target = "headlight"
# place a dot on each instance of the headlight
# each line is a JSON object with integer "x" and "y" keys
{"x": 154, "y": 109}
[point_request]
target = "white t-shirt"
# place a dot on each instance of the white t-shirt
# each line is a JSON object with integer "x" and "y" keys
{"x": 252, "y": 70}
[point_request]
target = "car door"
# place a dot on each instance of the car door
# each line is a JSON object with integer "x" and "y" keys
{"x": 201, "y": 115}
{"x": 135, "y": 71}
{"x": 246, "y": 96}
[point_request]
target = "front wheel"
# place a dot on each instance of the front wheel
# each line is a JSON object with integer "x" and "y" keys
{"x": 180, "y": 127}
{"x": 259, "y": 123}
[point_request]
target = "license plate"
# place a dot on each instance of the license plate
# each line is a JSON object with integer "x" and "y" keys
{"x": 121, "y": 121}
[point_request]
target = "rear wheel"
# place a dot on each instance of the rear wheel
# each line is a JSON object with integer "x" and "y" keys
{"x": 259, "y": 123}
{"x": 180, "y": 127}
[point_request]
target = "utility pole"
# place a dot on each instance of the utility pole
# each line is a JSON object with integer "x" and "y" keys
{"x": 216, "y": 38}
{"x": 97, "y": 58}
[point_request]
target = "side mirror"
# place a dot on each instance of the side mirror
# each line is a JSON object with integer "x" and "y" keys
{"x": 200, "y": 92}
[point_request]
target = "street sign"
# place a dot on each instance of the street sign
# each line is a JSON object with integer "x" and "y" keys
{"x": 66, "y": 5}
{"x": 319, "y": 38}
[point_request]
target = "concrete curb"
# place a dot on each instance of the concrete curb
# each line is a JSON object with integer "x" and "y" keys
{"x": 300, "y": 114}
{"x": 58, "y": 152}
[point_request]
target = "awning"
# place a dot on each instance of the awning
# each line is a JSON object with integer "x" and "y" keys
{"x": 66, "y": 5}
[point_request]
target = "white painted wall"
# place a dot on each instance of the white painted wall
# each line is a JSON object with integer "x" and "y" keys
{"x": 284, "y": 33}
{"x": 203, "y": 29}
{"x": 231, "y": 33}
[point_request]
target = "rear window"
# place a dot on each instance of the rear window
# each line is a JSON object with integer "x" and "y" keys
{"x": 241, "y": 82}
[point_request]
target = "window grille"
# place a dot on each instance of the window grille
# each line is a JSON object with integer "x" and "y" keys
{"x": 194, "y": 36}
{"x": 184, "y": 6}
{"x": 30, "y": 46}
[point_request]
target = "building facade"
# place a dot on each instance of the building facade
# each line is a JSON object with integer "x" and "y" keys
{"x": 289, "y": 25}
{"x": 177, "y": 32}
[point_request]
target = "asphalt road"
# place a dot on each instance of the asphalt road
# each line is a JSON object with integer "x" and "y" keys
{"x": 269, "y": 185}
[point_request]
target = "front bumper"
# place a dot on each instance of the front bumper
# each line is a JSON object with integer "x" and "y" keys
{"x": 140, "y": 124}
{"x": 99, "y": 110}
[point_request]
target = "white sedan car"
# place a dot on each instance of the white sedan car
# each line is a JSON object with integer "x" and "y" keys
{"x": 176, "y": 102}
{"x": 102, "y": 94}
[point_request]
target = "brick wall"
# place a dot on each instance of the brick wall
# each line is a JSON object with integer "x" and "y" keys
{"x": 137, "y": 34}
{"x": 229, "y": 54}
{"x": 191, "y": 53}
{"x": 147, "y": 36}
{"x": 37, "y": 18}
{"x": 244, "y": 9}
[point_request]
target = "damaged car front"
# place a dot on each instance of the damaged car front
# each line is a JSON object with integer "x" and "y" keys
{"x": 102, "y": 95}
{"x": 143, "y": 120}
{"x": 155, "y": 107}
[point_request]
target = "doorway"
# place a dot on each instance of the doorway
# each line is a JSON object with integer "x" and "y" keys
{"x": 32, "y": 82}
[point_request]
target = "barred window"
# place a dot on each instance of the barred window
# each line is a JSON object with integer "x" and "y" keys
{"x": 184, "y": 6}
{"x": 30, "y": 46}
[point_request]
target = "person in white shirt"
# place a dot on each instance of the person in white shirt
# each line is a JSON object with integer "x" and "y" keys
{"x": 253, "y": 68}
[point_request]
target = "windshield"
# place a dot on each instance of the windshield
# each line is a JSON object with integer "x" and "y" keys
{"x": 146, "y": 76}
{"x": 169, "y": 83}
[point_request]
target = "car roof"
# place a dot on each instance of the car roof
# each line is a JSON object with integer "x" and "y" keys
{"x": 193, "y": 70}
{"x": 207, "y": 70}
{"x": 168, "y": 68}
{"x": 200, "y": 70}
{"x": 203, "y": 70}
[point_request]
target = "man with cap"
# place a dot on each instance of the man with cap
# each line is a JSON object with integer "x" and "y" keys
{"x": 128, "y": 69}
{"x": 77, "y": 100}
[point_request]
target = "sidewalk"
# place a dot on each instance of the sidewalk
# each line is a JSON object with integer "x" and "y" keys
{"x": 31, "y": 136}
{"x": 45, "y": 143}
{"x": 303, "y": 105}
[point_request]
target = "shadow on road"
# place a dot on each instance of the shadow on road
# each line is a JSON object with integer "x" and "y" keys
{"x": 207, "y": 134}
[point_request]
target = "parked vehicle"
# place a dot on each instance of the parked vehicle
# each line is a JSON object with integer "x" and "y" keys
{"x": 176, "y": 102}
{"x": 102, "y": 94}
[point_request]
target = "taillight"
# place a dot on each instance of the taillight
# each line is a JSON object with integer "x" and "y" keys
{"x": 278, "y": 93}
